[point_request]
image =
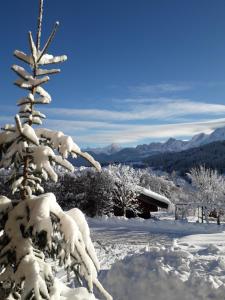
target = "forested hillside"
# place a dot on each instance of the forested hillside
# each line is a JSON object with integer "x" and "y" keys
{"x": 211, "y": 155}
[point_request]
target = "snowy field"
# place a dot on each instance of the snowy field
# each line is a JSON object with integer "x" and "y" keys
{"x": 160, "y": 259}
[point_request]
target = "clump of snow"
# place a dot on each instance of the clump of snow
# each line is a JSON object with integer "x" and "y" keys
{"x": 43, "y": 93}
{"x": 50, "y": 59}
{"x": 5, "y": 205}
{"x": 82, "y": 224}
{"x": 67, "y": 293}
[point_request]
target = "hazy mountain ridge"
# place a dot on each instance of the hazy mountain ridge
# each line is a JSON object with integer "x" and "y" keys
{"x": 114, "y": 154}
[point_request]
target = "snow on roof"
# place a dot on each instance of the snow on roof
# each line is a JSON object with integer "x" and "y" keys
{"x": 154, "y": 195}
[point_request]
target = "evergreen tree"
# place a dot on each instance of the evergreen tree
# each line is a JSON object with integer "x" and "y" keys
{"x": 98, "y": 193}
{"x": 35, "y": 227}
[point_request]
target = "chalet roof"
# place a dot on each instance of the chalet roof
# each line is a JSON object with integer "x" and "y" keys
{"x": 154, "y": 198}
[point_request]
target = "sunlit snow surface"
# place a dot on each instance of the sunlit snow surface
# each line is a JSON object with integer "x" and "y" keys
{"x": 157, "y": 260}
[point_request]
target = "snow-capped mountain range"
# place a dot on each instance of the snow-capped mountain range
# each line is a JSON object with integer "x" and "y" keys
{"x": 171, "y": 145}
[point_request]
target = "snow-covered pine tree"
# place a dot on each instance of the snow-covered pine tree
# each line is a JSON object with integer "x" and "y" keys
{"x": 35, "y": 228}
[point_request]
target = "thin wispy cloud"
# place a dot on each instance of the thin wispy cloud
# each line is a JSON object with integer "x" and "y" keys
{"x": 161, "y": 88}
{"x": 74, "y": 126}
{"x": 132, "y": 134}
{"x": 148, "y": 120}
{"x": 5, "y": 119}
{"x": 160, "y": 110}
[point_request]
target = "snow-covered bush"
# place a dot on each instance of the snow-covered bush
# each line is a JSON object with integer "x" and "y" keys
{"x": 34, "y": 228}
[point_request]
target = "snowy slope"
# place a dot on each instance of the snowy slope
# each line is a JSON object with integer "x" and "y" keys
{"x": 160, "y": 260}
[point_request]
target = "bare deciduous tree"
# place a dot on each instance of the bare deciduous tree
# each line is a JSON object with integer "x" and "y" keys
{"x": 210, "y": 188}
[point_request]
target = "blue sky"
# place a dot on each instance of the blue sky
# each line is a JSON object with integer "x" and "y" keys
{"x": 138, "y": 70}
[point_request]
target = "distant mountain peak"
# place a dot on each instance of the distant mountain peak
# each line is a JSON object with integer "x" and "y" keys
{"x": 171, "y": 140}
{"x": 110, "y": 149}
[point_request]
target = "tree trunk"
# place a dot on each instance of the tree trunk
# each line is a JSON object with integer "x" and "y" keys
{"x": 202, "y": 214}
{"x": 176, "y": 214}
{"x": 124, "y": 211}
{"x": 206, "y": 215}
{"x": 218, "y": 218}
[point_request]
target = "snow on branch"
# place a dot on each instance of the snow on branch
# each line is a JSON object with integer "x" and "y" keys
{"x": 24, "y": 57}
{"x": 64, "y": 145}
{"x": 33, "y": 48}
{"x": 9, "y": 127}
{"x": 31, "y": 83}
{"x": 27, "y": 131}
{"x": 50, "y": 39}
{"x": 5, "y": 207}
{"x": 43, "y": 93}
{"x": 25, "y": 108}
{"x": 47, "y": 72}
{"x": 42, "y": 100}
{"x": 64, "y": 163}
{"x": 6, "y": 137}
{"x": 32, "y": 270}
{"x": 41, "y": 158}
{"x": 77, "y": 246}
{"x": 89, "y": 158}
{"x": 29, "y": 99}
{"x": 80, "y": 220}
{"x": 50, "y": 59}
{"x": 35, "y": 120}
{"x": 21, "y": 72}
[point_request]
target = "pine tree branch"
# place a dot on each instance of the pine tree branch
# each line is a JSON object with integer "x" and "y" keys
{"x": 33, "y": 48}
{"x": 18, "y": 123}
{"x": 41, "y": 72}
{"x": 40, "y": 17}
{"x": 49, "y": 41}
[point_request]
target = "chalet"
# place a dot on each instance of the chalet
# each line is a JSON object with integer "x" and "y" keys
{"x": 151, "y": 201}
